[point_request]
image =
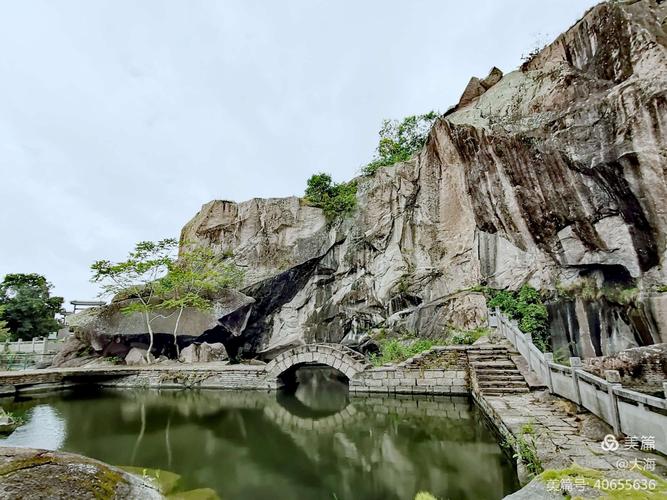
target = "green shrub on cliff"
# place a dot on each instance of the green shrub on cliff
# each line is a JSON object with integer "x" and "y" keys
{"x": 527, "y": 308}
{"x": 400, "y": 140}
{"x": 336, "y": 200}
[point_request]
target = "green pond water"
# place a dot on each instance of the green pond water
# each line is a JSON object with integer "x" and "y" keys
{"x": 315, "y": 444}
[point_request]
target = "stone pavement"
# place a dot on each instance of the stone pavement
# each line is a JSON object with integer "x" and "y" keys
{"x": 564, "y": 436}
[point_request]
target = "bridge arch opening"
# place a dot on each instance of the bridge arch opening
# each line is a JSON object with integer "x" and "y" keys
{"x": 312, "y": 369}
{"x": 315, "y": 378}
{"x": 313, "y": 374}
{"x": 313, "y": 390}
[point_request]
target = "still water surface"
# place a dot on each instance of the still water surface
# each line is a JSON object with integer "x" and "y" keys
{"x": 309, "y": 445}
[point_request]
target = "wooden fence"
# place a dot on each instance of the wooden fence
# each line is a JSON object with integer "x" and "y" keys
{"x": 627, "y": 412}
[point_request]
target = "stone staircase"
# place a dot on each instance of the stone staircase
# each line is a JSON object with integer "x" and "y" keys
{"x": 493, "y": 373}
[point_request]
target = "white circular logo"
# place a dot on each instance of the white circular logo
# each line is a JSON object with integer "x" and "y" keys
{"x": 609, "y": 443}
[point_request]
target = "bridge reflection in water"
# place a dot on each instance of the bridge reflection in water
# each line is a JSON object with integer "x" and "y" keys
{"x": 254, "y": 444}
{"x": 314, "y": 398}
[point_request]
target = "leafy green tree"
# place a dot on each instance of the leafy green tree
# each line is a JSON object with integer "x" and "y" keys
{"x": 157, "y": 281}
{"x": 400, "y": 140}
{"x": 194, "y": 280}
{"x": 5, "y": 334}
{"x": 319, "y": 187}
{"x": 336, "y": 200}
{"x": 28, "y": 308}
{"x": 137, "y": 279}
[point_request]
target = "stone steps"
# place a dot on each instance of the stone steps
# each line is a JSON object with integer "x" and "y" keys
{"x": 501, "y": 383}
{"x": 495, "y": 372}
{"x": 500, "y": 392}
{"x": 496, "y": 365}
{"x": 491, "y": 375}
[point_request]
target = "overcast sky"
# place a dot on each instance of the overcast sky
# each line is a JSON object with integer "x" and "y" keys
{"x": 119, "y": 119}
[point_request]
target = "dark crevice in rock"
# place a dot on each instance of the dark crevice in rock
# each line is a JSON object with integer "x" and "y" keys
{"x": 643, "y": 236}
{"x": 270, "y": 295}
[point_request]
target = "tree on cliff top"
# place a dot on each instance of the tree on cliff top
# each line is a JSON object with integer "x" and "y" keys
{"x": 157, "y": 284}
{"x": 27, "y": 307}
{"x": 400, "y": 140}
{"x": 336, "y": 200}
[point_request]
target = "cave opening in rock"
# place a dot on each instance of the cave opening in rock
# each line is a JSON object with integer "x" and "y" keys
{"x": 613, "y": 274}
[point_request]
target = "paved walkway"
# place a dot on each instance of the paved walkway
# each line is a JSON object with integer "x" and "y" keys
{"x": 555, "y": 427}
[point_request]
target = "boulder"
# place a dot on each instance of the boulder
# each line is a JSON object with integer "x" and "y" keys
{"x": 492, "y": 78}
{"x": 31, "y": 473}
{"x": 473, "y": 90}
{"x": 203, "y": 353}
{"x": 101, "y": 326}
{"x": 137, "y": 356}
{"x": 73, "y": 352}
{"x": 642, "y": 367}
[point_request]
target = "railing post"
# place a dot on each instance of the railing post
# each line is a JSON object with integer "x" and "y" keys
{"x": 548, "y": 359}
{"x": 33, "y": 344}
{"x": 613, "y": 377}
{"x": 575, "y": 364}
{"x": 19, "y": 346}
{"x": 499, "y": 321}
{"x": 529, "y": 343}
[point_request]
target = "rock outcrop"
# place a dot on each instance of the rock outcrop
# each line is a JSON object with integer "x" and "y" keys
{"x": 203, "y": 353}
{"x": 107, "y": 331}
{"x": 541, "y": 176}
{"x": 27, "y": 473}
{"x": 641, "y": 368}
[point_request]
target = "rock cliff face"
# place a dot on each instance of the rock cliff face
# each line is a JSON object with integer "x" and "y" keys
{"x": 545, "y": 175}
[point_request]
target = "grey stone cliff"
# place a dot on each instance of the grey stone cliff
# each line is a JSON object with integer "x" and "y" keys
{"x": 551, "y": 174}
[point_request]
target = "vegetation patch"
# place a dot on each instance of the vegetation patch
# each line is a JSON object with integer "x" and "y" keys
{"x": 335, "y": 200}
{"x": 398, "y": 350}
{"x": 605, "y": 487}
{"x": 466, "y": 337}
{"x": 525, "y": 450}
{"x": 27, "y": 308}
{"x": 588, "y": 290}
{"x": 400, "y": 140}
{"x": 527, "y": 307}
{"x": 166, "y": 482}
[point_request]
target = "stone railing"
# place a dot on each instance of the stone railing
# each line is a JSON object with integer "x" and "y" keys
{"x": 21, "y": 354}
{"x": 628, "y": 412}
{"x": 34, "y": 346}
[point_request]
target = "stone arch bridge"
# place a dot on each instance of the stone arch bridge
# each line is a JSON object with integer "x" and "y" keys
{"x": 337, "y": 356}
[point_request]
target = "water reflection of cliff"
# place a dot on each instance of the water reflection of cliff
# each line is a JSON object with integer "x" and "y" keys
{"x": 250, "y": 445}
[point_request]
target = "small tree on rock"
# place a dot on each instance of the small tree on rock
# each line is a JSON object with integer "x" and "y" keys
{"x": 137, "y": 279}
{"x": 157, "y": 282}
{"x": 194, "y": 280}
{"x": 400, "y": 140}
